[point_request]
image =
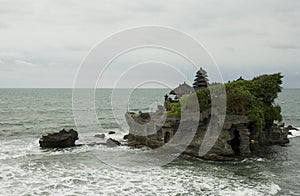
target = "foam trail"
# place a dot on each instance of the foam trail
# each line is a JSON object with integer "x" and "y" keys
{"x": 294, "y": 133}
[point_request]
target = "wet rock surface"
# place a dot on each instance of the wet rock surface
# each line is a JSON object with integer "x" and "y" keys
{"x": 234, "y": 141}
{"x": 290, "y": 128}
{"x": 112, "y": 143}
{"x": 61, "y": 139}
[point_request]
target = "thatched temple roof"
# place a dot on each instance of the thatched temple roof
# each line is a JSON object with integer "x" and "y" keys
{"x": 182, "y": 89}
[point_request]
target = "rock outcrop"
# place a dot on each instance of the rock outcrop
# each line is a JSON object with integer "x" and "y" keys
{"x": 292, "y": 131}
{"x": 112, "y": 142}
{"x": 290, "y": 128}
{"x": 234, "y": 141}
{"x": 60, "y": 139}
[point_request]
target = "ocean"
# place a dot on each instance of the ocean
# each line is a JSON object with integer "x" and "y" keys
{"x": 26, "y": 169}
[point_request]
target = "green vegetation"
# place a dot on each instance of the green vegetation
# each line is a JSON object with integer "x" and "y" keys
{"x": 173, "y": 107}
{"x": 253, "y": 98}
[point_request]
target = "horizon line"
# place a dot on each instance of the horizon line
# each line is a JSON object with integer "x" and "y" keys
{"x": 287, "y": 88}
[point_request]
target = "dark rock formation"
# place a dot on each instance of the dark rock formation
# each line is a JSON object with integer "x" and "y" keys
{"x": 60, "y": 139}
{"x": 100, "y": 135}
{"x": 234, "y": 141}
{"x": 278, "y": 135}
{"x": 290, "y": 127}
{"x": 111, "y": 132}
{"x": 112, "y": 142}
{"x": 290, "y": 130}
{"x": 125, "y": 137}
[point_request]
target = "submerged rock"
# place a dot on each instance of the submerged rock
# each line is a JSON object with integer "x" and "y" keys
{"x": 112, "y": 142}
{"x": 111, "y": 132}
{"x": 100, "y": 135}
{"x": 62, "y": 139}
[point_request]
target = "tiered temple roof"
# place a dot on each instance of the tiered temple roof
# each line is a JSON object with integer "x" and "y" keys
{"x": 201, "y": 80}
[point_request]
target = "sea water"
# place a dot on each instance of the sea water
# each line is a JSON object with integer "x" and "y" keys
{"x": 26, "y": 169}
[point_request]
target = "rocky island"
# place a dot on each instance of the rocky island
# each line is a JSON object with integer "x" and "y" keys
{"x": 252, "y": 119}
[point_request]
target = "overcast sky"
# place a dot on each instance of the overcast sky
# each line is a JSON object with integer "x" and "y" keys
{"x": 43, "y": 42}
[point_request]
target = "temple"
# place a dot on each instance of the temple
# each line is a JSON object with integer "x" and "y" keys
{"x": 182, "y": 89}
{"x": 249, "y": 124}
{"x": 201, "y": 81}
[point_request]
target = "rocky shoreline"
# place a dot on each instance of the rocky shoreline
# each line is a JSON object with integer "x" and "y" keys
{"x": 233, "y": 142}
{"x": 65, "y": 139}
{"x": 228, "y": 146}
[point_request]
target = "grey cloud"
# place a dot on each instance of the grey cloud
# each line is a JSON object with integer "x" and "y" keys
{"x": 3, "y": 26}
{"x": 77, "y": 47}
{"x": 285, "y": 46}
{"x": 58, "y": 34}
{"x": 234, "y": 32}
{"x": 25, "y": 63}
{"x": 10, "y": 56}
{"x": 149, "y": 6}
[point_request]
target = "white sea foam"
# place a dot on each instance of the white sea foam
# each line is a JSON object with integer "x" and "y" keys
{"x": 294, "y": 133}
{"x": 75, "y": 171}
{"x": 260, "y": 190}
{"x": 80, "y": 179}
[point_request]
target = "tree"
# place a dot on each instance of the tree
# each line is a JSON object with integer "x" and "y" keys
{"x": 252, "y": 98}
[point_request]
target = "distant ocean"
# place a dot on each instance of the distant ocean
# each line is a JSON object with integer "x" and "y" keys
{"x": 25, "y": 114}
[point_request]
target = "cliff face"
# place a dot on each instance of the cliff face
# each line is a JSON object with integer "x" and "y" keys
{"x": 234, "y": 141}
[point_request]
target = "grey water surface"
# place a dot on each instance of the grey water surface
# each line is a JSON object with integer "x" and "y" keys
{"x": 25, "y": 169}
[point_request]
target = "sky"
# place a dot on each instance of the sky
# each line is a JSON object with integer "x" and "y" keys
{"x": 43, "y": 43}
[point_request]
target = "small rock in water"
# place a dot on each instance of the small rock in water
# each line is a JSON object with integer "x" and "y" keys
{"x": 290, "y": 127}
{"x": 112, "y": 143}
{"x": 111, "y": 132}
{"x": 62, "y": 139}
{"x": 145, "y": 115}
{"x": 125, "y": 137}
{"x": 100, "y": 135}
